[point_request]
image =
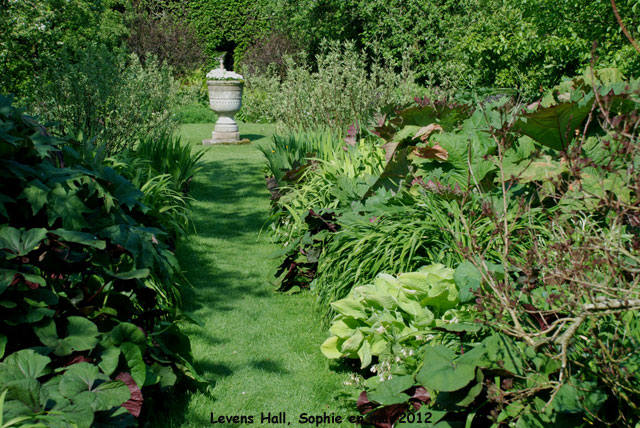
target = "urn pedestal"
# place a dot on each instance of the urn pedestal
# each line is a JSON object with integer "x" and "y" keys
{"x": 225, "y": 99}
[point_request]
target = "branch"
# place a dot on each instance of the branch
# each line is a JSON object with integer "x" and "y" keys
{"x": 624, "y": 29}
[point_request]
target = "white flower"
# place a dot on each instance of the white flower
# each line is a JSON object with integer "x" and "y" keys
{"x": 223, "y": 74}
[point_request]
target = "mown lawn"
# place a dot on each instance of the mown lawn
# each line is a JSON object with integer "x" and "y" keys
{"x": 259, "y": 349}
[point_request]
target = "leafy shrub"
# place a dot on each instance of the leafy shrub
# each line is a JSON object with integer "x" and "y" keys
{"x": 90, "y": 292}
{"x": 520, "y": 44}
{"x": 167, "y": 37}
{"x": 195, "y": 113}
{"x": 268, "y": 55}
{"x": 288, "y": 156}
{"x": 556, "y": 303}
{"x": 34, "y": 35}
{"x": 107, "y": 96}
{"x": 344, "y": 90}
{"x": 378, "y": 319}
{"x": 308, "y": 196}
{"x": 228, "y": 27}
{"x": 168, "y": 156}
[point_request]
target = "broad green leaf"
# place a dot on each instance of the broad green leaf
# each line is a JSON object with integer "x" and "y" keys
{"x": 25, "y": 390}
{"x": 66, "y": 205}
{"x": 3, "y": 345}
{"x": 80, "y": 238}
{"x": 81, "y": 335}
{"x": 138, "y": 273}
{"x": 441, "y": 372}
{"x": 578, "y": 397}
{"x": 437, "y": 269}
{"x": 408, "y": 131}
{"x": 6, "y": 278}
{"x": 409, "y": 305}
{"x": 500, "y": 348}
{"x": 378, "y": 345}
{"x": 353, "y": 343}
{"x": 110, "y": 394}
{"x": 25, "y": 363}
{"x": 414, "y": 280}
{"x": 330, "y": 348}
{"x": 341, "y": 329}
{"x": 468, "y": 279}
{"x": 133, "y": 356}
{"x": 165, "y": 374}
{"x": 78, "y": 378}
{"x": 126, "y": 193}
{"x": 544, "y": 168}
{"x": 127, "y": 332}
{"x": 109, "y": 360}
{"x": 350, "y": 308}
{"x": 82, "y": 382}
{"x": 364, "y": 353}
{"x": 36, "y": 194}
{"x": 553, "y": 126}
{"x": 391, "y": 391}
{"x": 19, "y": 242}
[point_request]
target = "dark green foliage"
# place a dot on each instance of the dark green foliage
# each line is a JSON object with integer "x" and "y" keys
{"x": 226, "y": 27}
{"x": 35, "y": 34}
{"x": 110, "y": 97}
{"x": 165, "y": 34}
{"x": 89, "y": 290}
{"x": 538, "y": 201}
{"x": 455, "y": 44}
{"x": 167, "y": 155}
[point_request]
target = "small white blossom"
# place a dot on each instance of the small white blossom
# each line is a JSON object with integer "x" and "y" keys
{"x": 219, "y": 74}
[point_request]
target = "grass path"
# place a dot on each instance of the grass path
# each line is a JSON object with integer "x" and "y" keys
{"x": 259, "y": 349}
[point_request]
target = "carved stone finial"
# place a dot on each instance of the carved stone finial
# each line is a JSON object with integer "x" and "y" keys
{"x": 221, "y": 59}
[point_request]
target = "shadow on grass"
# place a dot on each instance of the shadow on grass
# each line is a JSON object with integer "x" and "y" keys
{"x": 252, "y": 137}
{"x": 269, "y": 366}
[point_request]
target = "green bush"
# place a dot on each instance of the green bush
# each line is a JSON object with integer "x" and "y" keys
{"x": 454, "y": 44}
{"x": 382, "y": 318}
{"x": 540, "y": 211}
{"x": 340, "y": 89}
{"x": 228, "y": 27}
{"x": 33, "y": 35}
{"x": 195, "y": 113}
{"x": 110, "y": 97}
{"x": 90, "y": 290}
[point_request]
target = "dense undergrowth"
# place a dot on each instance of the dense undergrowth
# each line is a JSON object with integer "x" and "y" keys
{"x": 479, "y": 259}
{"x": 90, "y": 288}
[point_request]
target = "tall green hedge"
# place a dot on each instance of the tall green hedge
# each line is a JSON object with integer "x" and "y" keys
{"x": 227, "y": 26}
{"x": 468, "y": 43}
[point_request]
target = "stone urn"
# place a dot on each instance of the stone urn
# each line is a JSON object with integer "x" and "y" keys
{"x": 225, "y": 99}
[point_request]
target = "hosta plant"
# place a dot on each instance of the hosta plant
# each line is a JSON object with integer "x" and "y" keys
{"x": 391, "y": 315}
